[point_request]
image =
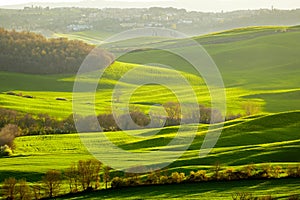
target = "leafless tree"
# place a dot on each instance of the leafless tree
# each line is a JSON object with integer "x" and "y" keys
{"x": 9, "y": 188}
{"x": 7, "y": 135}
{"x": 52, "y": 182}
{"x": 106, "y": 175}
{"x": 89, "y": 173}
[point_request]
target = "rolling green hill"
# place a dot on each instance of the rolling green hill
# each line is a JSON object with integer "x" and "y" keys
{"x": 261, "y": 139}
{"x": 258, "y": 140}
{"x": 280, "y": 189}
{"x": 258, "y": 65}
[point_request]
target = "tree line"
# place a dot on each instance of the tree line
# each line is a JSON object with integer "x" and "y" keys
{"x": 90, "y": 175}
{"x": 42, "y": 124}
{"x": 14, "y": 124}
{"x": 27, "y": 52}
{"x": 82, "y": 176}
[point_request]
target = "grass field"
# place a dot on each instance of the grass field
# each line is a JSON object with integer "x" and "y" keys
{"x": 93, "y": 37}
{"x": 280, "y": 189}
{"x": 258, "y": 64}
{"x": 263, "y": 139}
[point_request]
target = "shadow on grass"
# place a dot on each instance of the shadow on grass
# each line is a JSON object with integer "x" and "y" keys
{"x": 29, "y": 176}
{"x": 194, "y": 190}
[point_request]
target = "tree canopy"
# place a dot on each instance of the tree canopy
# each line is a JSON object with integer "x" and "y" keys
{"x": 27, "y": 52}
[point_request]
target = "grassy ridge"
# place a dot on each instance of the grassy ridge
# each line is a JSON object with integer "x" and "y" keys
{"x": 259, "y": 64}
{"x": 254, "y": 140}
{"x": 243, "y": 61}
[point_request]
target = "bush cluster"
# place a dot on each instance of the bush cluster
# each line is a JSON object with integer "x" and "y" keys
{"x": 85, "y": 175}
{"x": 82, "y": 176}
{"x": 218, "y": 174}
{"x": 36, "y": 125}
{"x": 44, "y": 124}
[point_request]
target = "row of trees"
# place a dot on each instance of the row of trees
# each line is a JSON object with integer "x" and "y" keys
{"x": 14, "y": 124}
{"x": 88, "y": 176}
{"x": 7, "y": 136}
{"x": 174, "y": 116}
{"x": 44, "y": 124}
{"x": 249, "y": 196}
{"x": 83, "y": 176}
{"x": 217, "y": 174}
{"x": 35, "y": 124}
{"x": 28, "y": 52}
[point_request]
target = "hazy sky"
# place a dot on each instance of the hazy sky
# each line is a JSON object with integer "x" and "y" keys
{"x": 202, "y": 5}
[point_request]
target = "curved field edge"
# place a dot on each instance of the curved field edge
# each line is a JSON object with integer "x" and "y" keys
{"x": 260, "y": 139}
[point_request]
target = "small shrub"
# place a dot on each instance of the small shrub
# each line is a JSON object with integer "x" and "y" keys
{"x": 266, "y": 172}
{"x": 61, "y": 99}
{"x": 251, "y": 108}
{"x": 9, "y": 188}
{"x": 277, "y": 171}
{"x": 198, "y": 176}
{"x": 217, "y": 171}
{"x": 229, "y": 175}
{"x": 153, "y": 177}
{"x": 293, "y": 172}
{"x": 117, "y": 182}
{"x": 163, "y": 180}
{"x": 11, "y": 93}
{"x": 242, "y": 196}
{"x": 28, "y": 96}
{"x": 294, "y": 197}
{"x": 177, "y": 177}
{"x": 269, "y": 197}
{"x": 249, "y": 171}
{"x": 131, "y": 181}
{"x": 5, "y": 151}
{"x": 23, "y": 190}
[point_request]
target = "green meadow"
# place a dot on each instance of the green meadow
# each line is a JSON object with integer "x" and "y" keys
{"x": 258, "y": 65}
{"x": 260, "y": 140}
{"x": 217, "y": 191}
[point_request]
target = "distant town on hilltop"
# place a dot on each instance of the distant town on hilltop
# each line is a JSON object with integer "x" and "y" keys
{"x": 47, "y": 20}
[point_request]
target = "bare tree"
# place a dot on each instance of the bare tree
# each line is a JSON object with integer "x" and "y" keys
{"x": 52, "y": 182}
{"x": 7, "y": 135}
{"x": 217, "y": 170}
{"x": 251, "y": 108}
{"x": 9, "y": 188}
{"x": 23, "y": 190}
{"x": 174, "y": 113}
{"x": 89, "y": 173}
{"x": 37, "y": 191}
{"x": 106, "y": 175}
{"x": 73, "y": 177}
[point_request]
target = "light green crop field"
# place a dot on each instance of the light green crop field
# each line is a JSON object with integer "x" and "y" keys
{"x": 280, "y": 189}
{"x": 269, "y": 139}
{"x": 93, "y": 37}
{"x": 45, "y": 90}
{"x": 258, "y": 64}
{"x": 262, "y": 139}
